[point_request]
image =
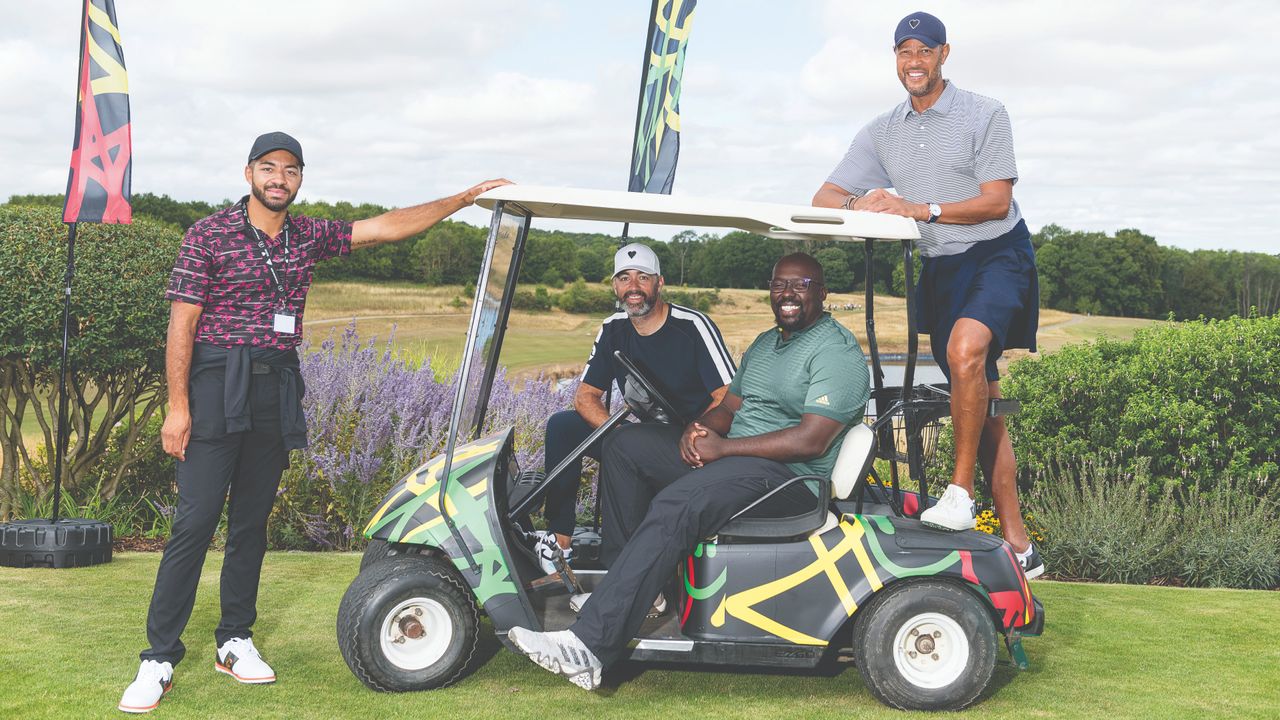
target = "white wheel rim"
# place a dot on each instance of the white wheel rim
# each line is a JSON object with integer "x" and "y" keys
{"x": 416, "y": 633}
{"x": 931, "y": 650}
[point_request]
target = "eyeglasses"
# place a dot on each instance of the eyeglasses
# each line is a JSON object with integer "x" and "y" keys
{"x": 800, "y": 285}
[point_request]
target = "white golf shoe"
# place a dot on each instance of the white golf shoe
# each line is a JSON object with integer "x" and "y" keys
{"x": 154, "y": 679}
{"x": 560, "y": 652}
{"x": 240, "y": 659}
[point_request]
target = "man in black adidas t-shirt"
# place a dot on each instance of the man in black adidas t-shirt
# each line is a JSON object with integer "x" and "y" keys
{"x": 682, "y": 349}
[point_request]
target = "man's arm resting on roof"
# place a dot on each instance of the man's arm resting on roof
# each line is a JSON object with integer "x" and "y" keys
{"x": 831, "y": 195}
{"x": 991, "y": 203}
{"x": 588, "y": 400}
{"x": 396, "y": 225}
{"x": 806, "y": 441}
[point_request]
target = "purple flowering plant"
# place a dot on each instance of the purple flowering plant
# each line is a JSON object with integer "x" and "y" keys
{"x": 372, "y": 416}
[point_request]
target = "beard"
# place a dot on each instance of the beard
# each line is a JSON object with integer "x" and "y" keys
{"x": 643, "y": 308}
{"x": 931, "y": 81}
{"x": 273, "y": 205}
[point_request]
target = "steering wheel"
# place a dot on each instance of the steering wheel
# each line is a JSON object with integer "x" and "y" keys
{"x": 643, "y": 396}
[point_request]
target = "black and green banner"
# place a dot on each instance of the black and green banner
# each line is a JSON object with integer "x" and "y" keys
{"x": 657, "y": 138}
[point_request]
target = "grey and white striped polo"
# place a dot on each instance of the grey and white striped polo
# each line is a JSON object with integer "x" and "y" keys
{"x": 939, "y": 156}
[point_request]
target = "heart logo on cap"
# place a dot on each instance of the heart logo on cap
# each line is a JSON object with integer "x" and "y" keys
{"x": 631, "y": 254}
{"x": 914, "y": 23}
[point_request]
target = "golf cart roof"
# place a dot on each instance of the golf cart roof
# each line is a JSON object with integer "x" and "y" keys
{"x": 784, "y": 222}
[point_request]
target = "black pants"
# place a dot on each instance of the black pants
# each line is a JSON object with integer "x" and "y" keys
{"x": 245, "y": 465}
{"x": 565, "y": 430}
{"x": 655, "y": 509}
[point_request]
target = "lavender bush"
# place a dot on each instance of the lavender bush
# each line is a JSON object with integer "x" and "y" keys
{"x": 372, "y": 417}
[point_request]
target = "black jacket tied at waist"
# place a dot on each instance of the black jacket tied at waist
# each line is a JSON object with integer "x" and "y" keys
{"x": 238, "y": 364}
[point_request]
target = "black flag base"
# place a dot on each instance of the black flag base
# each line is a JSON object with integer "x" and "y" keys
{"x": 62, "y": 543}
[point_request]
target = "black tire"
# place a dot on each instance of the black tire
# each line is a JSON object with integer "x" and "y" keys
{"x": 953, "y": 660}
{"x": 378, "y": 550}
{"x": 422, "y": 602}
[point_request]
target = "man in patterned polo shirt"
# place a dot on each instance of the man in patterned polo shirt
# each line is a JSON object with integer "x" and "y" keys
{"x": 238, "y": 290}
{"x": 949, "y": 154}
{"x": 786, "y": 413}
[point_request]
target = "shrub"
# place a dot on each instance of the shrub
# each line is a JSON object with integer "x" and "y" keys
{"x": 1231, "y": 537}
{"x": 1198, "y": 401}
{"x": 580, "y": 298}
{"x": 116, "y": 353}
{"x": 372, "y": 418}
{"x": 701, "y": 300}
{"x": 1098, "y": 523}
{"x": 538, "y": 299}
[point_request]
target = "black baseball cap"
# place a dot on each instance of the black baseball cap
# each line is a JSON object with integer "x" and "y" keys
{"x": 268, "y": 142}
{"x": 920, "y": 26}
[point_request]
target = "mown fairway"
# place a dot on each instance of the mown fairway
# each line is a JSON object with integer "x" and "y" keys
{"x": 71, "y": 639}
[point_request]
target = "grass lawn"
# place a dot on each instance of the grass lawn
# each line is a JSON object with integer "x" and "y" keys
{"x": 70, "y": 640}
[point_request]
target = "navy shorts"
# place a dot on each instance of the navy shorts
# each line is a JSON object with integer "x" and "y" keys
{"x": 993, "y": 282}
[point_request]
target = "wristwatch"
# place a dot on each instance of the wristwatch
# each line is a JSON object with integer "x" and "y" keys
{"x": 935, "y": 212}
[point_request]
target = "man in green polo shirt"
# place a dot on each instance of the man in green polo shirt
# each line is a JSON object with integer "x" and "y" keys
{"x": 797, "y": 390}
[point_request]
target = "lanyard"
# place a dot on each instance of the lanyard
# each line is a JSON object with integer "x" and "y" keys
{"x": 282, "y": 292}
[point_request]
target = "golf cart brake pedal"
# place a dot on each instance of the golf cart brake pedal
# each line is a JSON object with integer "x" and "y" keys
{"x": 1003, "y": 406}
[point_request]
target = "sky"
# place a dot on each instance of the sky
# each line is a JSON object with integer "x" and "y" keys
{"x": 1150, "y": 115}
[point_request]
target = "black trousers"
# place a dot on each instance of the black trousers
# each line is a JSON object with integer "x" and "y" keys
{"x": 655, "y": 509}
{"x": 245, "y": 466}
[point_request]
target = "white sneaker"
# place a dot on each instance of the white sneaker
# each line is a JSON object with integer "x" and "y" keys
{"x": 659, "y": 604}
{"x": 240, "y": 659}
{"x": 560, "y": 652}
{"x": 545, "y": 545}
{"x": 154, "y": 679}
{"x": 954, "y": 511}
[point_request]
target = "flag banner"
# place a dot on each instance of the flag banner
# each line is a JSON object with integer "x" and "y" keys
{"x": 657, "y": 140}
{"x": 101, "y": 157}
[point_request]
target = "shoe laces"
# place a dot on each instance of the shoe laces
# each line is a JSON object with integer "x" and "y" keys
{"x": 154, "y": 670}
{"x": 242, "y": 647}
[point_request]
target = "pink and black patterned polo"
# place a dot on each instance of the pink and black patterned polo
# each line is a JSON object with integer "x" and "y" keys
{"x": 220, "y": 269}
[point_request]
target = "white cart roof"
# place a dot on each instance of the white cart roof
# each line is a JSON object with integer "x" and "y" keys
{"x": 784, "y": 222}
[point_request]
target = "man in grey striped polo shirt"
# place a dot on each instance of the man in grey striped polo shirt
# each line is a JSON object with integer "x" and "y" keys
{"x": 948, "y": 153}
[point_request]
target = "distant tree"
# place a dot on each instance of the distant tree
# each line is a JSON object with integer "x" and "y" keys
{"x": 835, "y": 267}
{"x": 449, "y": 253}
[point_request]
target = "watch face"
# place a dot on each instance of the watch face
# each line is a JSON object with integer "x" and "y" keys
{"x": 935, "y": 209}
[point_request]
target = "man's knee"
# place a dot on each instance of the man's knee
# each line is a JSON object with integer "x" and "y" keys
{"x": 967, "y": 350}
{"x": 625, "y": 440}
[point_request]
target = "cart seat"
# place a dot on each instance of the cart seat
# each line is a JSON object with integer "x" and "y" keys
{"x": 852, "y": 464}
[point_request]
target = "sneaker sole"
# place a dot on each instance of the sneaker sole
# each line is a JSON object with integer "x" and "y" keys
{"x": 937, "y": 526}
{"x": 1035, "y": 572}
{"x": 139, "y": 710}
{"x": 582, "y": 678}
{"x": 247, "y": 681}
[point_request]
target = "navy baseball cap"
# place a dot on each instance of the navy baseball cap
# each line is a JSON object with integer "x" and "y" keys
{"x": 272, "y": 141}
{"x": 920, "y": 26}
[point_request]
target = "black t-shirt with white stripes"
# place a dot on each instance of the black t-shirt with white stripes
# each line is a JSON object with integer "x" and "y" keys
{"x": 686, "y": 356}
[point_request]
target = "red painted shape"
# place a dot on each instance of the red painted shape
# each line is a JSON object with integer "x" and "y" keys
{"x": 910, "y": 503}
{"x": 1011, "y": 602}
{"x": 966, "y": 567}
{"x": 688, "y": 599}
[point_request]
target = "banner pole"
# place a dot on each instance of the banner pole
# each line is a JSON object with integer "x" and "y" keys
{"x": 63, "y": 430}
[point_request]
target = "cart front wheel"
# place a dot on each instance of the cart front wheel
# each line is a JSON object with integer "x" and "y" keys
{"x": 926, "y": 646}
{"x": 408, "y": 623}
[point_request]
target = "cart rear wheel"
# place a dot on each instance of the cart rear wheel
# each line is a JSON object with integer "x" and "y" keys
{"x": 408, "y": 623}
{"x": 926, "y": 646}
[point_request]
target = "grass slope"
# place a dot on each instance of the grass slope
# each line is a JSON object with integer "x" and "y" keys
{"x": 69, "y": 642}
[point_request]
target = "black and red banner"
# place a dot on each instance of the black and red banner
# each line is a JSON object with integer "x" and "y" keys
{"x": 101, "y": 159}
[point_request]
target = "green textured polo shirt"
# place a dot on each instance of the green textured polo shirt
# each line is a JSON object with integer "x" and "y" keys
{"x": 820, "y": 370}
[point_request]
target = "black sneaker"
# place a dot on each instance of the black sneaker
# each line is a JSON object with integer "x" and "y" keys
{"x": 1031, "y": 562}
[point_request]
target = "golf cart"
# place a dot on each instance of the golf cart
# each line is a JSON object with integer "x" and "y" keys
{"x": 855, "y": 577}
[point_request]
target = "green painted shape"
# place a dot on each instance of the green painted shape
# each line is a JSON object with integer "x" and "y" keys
{"x": 472, "y": 517}
{"x": 708, "y": 591}
{"x": 897, "y": 570}
{"x": 882, "y": 522}
{"x": 403, "y": 514}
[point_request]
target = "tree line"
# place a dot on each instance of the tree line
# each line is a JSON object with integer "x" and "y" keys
{"x": 1126, "y": 273}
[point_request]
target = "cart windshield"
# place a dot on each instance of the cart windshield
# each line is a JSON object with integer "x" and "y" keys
{"x": 484, "y": 340}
